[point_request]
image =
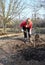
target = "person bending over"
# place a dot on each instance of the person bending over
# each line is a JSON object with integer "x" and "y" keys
{"x": 26, "y": 27}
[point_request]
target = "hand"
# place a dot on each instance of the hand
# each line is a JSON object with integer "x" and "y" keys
{"x": 22, "y": 30}
{"x": 30, "y": 32}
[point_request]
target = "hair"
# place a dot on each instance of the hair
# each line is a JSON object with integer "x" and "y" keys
{"x": 27, "y": 19}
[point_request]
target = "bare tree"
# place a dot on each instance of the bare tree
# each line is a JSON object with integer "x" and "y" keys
{"x": 35, "y": 6}
{"x": 10, "y": 10}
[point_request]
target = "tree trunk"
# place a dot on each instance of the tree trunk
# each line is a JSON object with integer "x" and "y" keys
{"x": 4, "y": 27}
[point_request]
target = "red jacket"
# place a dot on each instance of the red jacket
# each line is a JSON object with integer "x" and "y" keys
{"x": 24, "y": 24}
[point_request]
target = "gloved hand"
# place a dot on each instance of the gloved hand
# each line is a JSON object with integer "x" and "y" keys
{"x": 22, "y": 30}
{"x": 30, "y": 31}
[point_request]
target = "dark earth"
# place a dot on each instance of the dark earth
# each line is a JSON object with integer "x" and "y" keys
{"x": 16, "y": 52}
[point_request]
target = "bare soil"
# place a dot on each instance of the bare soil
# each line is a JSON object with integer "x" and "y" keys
{"x": 13, "y": 51}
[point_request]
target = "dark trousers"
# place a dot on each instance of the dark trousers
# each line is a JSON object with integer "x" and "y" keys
{"x": 25, "y": 32}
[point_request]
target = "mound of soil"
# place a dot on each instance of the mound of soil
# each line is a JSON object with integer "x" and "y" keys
{"x": 34, "y": 53}
{"x": 28, "y": 56}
